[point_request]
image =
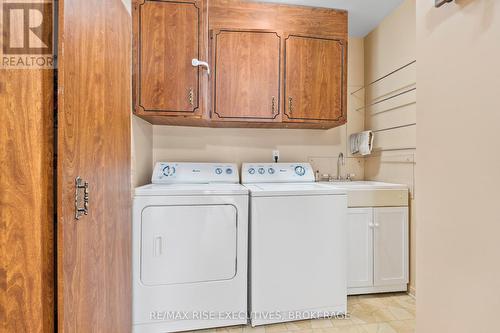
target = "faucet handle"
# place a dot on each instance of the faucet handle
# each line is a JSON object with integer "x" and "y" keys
{"x": 350, "y": 176}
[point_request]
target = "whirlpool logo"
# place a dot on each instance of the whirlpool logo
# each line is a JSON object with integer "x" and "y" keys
{"x": 27, "y": 30}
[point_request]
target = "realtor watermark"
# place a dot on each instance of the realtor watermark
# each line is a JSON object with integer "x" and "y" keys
{"x": 271, "y": 315}
{"x": 27, "y": 34}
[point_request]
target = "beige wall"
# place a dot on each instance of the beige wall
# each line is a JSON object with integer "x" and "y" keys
{"x": 321, "y": 147}
{"x": 458, "y": 175}
{"x": 142, "y": 151}
{"x": 388, "y": 47}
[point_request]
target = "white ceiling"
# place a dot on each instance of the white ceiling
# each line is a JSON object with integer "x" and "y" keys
{"x": 364, "y": 15}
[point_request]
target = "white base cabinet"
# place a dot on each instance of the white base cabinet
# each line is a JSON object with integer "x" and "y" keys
{"x": 378, "y": 257}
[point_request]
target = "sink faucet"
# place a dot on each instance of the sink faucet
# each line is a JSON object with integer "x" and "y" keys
{"x": 340, "y": 163}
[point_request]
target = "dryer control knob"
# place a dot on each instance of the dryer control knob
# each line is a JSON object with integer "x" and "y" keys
{"x": 300, "y": 170}
{"x": 251, "y": 171}
{"x": 262, "y": 171}
{"x": 218, "y": 171}
{"x": 168, "y": 171}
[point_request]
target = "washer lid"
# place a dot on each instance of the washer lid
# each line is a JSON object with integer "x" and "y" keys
{"x": 190, "y": 189}
{"x": 292, "y": 189}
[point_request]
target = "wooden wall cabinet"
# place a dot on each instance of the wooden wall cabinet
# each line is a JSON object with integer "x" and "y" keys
{"x": 168, "y": 35}
{"x": 272, "y": 65}
{"x": 314, "y": 79}
{"x": 246, "y": 75}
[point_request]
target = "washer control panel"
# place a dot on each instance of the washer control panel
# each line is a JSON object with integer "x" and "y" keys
{"x": 276, "y": 173}
{"x": 194, "y": 173}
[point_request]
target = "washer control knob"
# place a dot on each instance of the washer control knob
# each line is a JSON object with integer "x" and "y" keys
{"x": 168, "y": 171}
{"x": 251, "y": 171}
{"x": 262, "y": 171}
{"x": 218, "y": 171}
{"x": 271, "y": 171}
{"x": 300, "y": 170}
{"x": 229, "y": 171}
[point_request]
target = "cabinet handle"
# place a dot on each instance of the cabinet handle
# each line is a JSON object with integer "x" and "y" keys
{"x": 290, "y": 104}
{"x": 81, "y": 185}
{"x": 273, "y": 105}
{"x": 191, "y": 96}
{"x": 371, "y": 225}
{"x": 197, "y": 63}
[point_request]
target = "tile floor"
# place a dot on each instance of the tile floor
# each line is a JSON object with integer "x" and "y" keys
{"x": 382, "y": 313}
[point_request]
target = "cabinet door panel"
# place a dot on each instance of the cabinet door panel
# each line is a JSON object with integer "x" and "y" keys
{"x": 169, "y": 38}
{"x": 390, "y": 246}
{"x": 247, "y": 75}
{"x": 94, "y": 97}
{"x": 314, "y": 79}
{"x": 360, "y": 247}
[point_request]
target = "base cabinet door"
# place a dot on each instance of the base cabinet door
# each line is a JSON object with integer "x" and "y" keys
{"x": 168, "y": 35}
{"x": 390, "y": 245}
{"x": 246, "y": 80}
{"x": 315, "y": 77}
{"x": 360, "y": 247}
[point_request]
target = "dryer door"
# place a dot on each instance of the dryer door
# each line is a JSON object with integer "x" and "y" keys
{"x": 188, "y": 244}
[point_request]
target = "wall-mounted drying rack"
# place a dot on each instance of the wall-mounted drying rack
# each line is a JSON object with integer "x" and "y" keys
{"x": 393, "y": 128}
{"x": 385, "y": 76}
{"x": 439, "y": 3}
{"x": 387, "y": 98}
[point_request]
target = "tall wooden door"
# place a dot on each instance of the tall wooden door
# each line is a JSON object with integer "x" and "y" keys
{"x": 93, "y": 252}
{"x": 168, "y": 35}
{"x": 315, "y": 79}
{"x": 26, "y": 201}
{"x": 246, "y": 79}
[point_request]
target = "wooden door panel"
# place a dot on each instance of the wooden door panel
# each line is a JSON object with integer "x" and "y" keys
{"x": 26, "y": 200}
{"x": 314, "y": 79}
{"x": 246, "y": 75}
{"x": 94, "y": 287}
{"x": 168, "y": 39}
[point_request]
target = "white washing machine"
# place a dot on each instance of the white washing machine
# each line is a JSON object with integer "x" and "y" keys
{"x": 190, "y": 231}
{"x": 297, "y": 244}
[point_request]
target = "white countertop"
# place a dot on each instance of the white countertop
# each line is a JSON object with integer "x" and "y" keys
{"x": 364, "y": 185}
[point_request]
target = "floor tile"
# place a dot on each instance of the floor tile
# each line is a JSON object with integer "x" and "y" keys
{"x": 378, "y": 313}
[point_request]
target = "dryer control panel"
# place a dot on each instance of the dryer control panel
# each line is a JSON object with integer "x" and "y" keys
{"x": 276, "y": 173}
{"x": 195, "y": 173}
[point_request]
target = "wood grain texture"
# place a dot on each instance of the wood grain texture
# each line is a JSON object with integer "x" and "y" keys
{"x": 94, "y": 284}
{"x": 314, "y": 79}
{"x": 232, "y": 110}
{"x": 246, "y": 75}
{"x": 238, "y": 14}
{"x": 26, "y": 201}
{"x": 187, "y": 121}
{"x": 167, "y": 36}
{"x": 169, "y": 40}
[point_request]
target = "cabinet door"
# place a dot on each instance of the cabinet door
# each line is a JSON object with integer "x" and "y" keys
{"x": 94, "y": 97}
{"x": 390, "y": 246}
{"x": 360, "y": 247}
{"x": 168, "y": 36}
{"x": 247, "y": 75}
{"x": 315, "y": 79}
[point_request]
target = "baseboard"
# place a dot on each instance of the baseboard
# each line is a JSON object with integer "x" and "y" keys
{"x": 412, "y": 292}
{"x": 376, "y": 290}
